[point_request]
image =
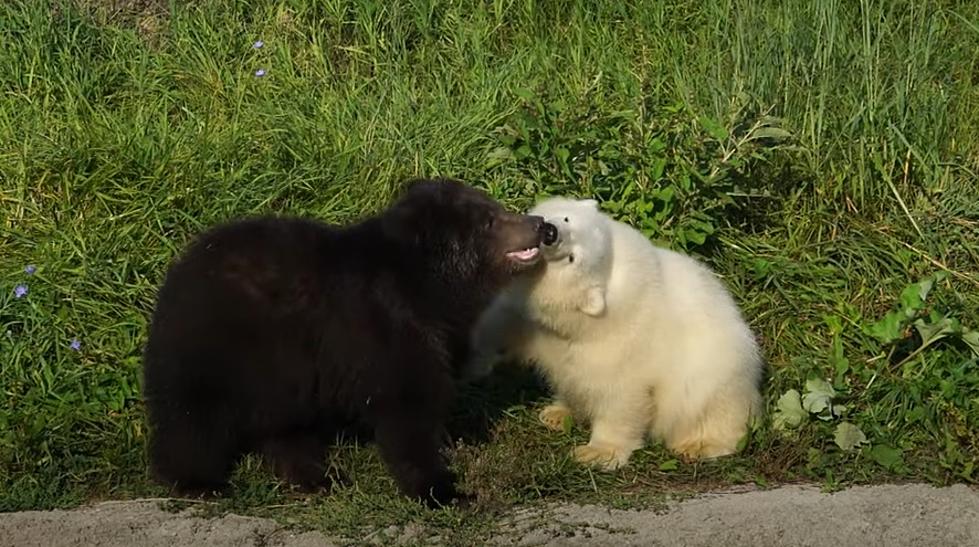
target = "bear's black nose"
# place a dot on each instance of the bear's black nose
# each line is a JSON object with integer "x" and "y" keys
{"x": 550, "y": 233}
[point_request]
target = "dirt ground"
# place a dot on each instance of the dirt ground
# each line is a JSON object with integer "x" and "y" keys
{"x": 892, "y": 515}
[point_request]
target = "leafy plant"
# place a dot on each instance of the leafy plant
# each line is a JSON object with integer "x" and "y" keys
{"x": 848, "y": 436}
{"x": 930, "y": 325}
{"x": 817, "y": 400}
{"x": 789, "y": 413}
{"x": 902, "y": 334}
{"x": 667, "y": 172}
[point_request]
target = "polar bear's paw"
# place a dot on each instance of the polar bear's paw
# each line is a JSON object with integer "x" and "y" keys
{"x": 552, "y": 416}
{"x": 693, "y": 450}
{"x": 602, "y": 457}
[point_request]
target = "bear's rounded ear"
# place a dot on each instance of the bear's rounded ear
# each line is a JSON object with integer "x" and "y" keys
{"x": 399, "y": 223}
{"x": 590, "y": 203}
{"x": 593, "y": 303}
{"x": 413, "y": 184}
{"x": 431, "y": 185}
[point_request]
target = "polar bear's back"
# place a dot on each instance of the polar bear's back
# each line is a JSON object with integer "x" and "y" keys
{"x": 675, "y": 301}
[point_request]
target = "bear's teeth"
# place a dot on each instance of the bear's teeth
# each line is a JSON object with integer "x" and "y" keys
{"x": 525, "y": 254}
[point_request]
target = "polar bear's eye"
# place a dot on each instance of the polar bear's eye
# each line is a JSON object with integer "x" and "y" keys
{"x": 566, "y": 219}
{"x": 570, "y": 258}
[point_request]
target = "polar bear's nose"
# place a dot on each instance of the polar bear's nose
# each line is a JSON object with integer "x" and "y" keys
{"x": 550, "y": 233}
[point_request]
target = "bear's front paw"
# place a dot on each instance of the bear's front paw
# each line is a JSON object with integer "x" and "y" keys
{"x": 601, "y": 457}
{"x": 445, "y": 494}
{"x": 552, "y": 416}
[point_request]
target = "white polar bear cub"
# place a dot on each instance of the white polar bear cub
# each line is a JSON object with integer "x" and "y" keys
{"x": 634, "y": 340}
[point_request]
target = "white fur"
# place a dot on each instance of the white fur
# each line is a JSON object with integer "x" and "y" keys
{"x": 635, "y": 340}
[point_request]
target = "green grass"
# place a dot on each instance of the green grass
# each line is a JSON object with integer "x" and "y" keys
{"x": 820, "y": 155}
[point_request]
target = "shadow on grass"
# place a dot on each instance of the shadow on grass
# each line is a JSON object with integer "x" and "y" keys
{"x": 480, "y": 406}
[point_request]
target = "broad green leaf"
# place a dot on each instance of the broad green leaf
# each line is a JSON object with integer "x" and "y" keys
{"x": 524, "y": 93}
{"x": 760, "y": 268}
{"x": 789, "y": 412}
{"x": 665, "y": 194}
{"x": 891, "y": 327}
{"x": 840, "y": 363}
{"x": 684, "y": 181}
{"x": 967, "y": 470}
{"x": 713, "y": 128}
{"x": 773, "y": 133}
{"x": 933, "y": 332}
{"x": 770, "y": 120}
{"x": 566, "y": 424}
{"x": 562, "y": 154}
{"x": 818, "y": 395}
{"x": 913, "y": 296}
{"x": 656, "y": 145}
{"x": 498, "y": 155}
{"x": 669, "y": 465}
{"x": 888, "y": 329}
{"x": 971, "y": 338}
{"x": 743, "y": 442}
{"x": 834, "y": 323}
{"x": 886, "y": 456}
{"x": 694, "y": 236}
{"x": 656, "y": 171}
{"x": 848, "y": 436}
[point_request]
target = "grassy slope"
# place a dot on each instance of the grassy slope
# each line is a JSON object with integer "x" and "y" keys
{"x": 121, "y": 138}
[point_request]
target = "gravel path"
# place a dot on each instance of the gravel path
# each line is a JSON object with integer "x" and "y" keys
{"x": 912, "y": 515}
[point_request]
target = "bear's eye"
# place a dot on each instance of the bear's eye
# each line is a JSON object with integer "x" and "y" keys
{"x": 570, "y": 258}
{"x": 489, "y": 222}
{"x": 566, "y": 219}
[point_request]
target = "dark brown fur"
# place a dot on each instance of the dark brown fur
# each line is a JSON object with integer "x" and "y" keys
{"x": 271, "y": 335}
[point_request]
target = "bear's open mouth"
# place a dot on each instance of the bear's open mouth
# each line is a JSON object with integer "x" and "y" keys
{"x": 524, "y": 256}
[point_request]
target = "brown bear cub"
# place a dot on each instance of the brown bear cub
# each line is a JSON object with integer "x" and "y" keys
{"x": 271, "y": 335}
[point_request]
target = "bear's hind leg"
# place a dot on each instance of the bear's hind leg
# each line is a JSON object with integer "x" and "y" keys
{"x": 718, "y": 429}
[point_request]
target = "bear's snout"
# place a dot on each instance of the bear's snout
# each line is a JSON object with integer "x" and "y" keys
{"x": 549, "y": 232}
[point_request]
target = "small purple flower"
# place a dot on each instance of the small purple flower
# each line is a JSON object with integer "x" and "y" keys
{"x": 30, "y": 269}
{"x": 260, "y": 73}
{"x": 76, "y": 344}
{"x": 258, "y": 45}
{"x": 20, "y": 291}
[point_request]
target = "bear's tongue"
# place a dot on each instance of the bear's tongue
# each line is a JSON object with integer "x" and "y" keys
{"x": 524, "y": 255}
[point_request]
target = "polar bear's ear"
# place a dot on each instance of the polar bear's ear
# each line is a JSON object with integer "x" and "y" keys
{"x": 590, "y": 203}
{"x": 594, "y": 303}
